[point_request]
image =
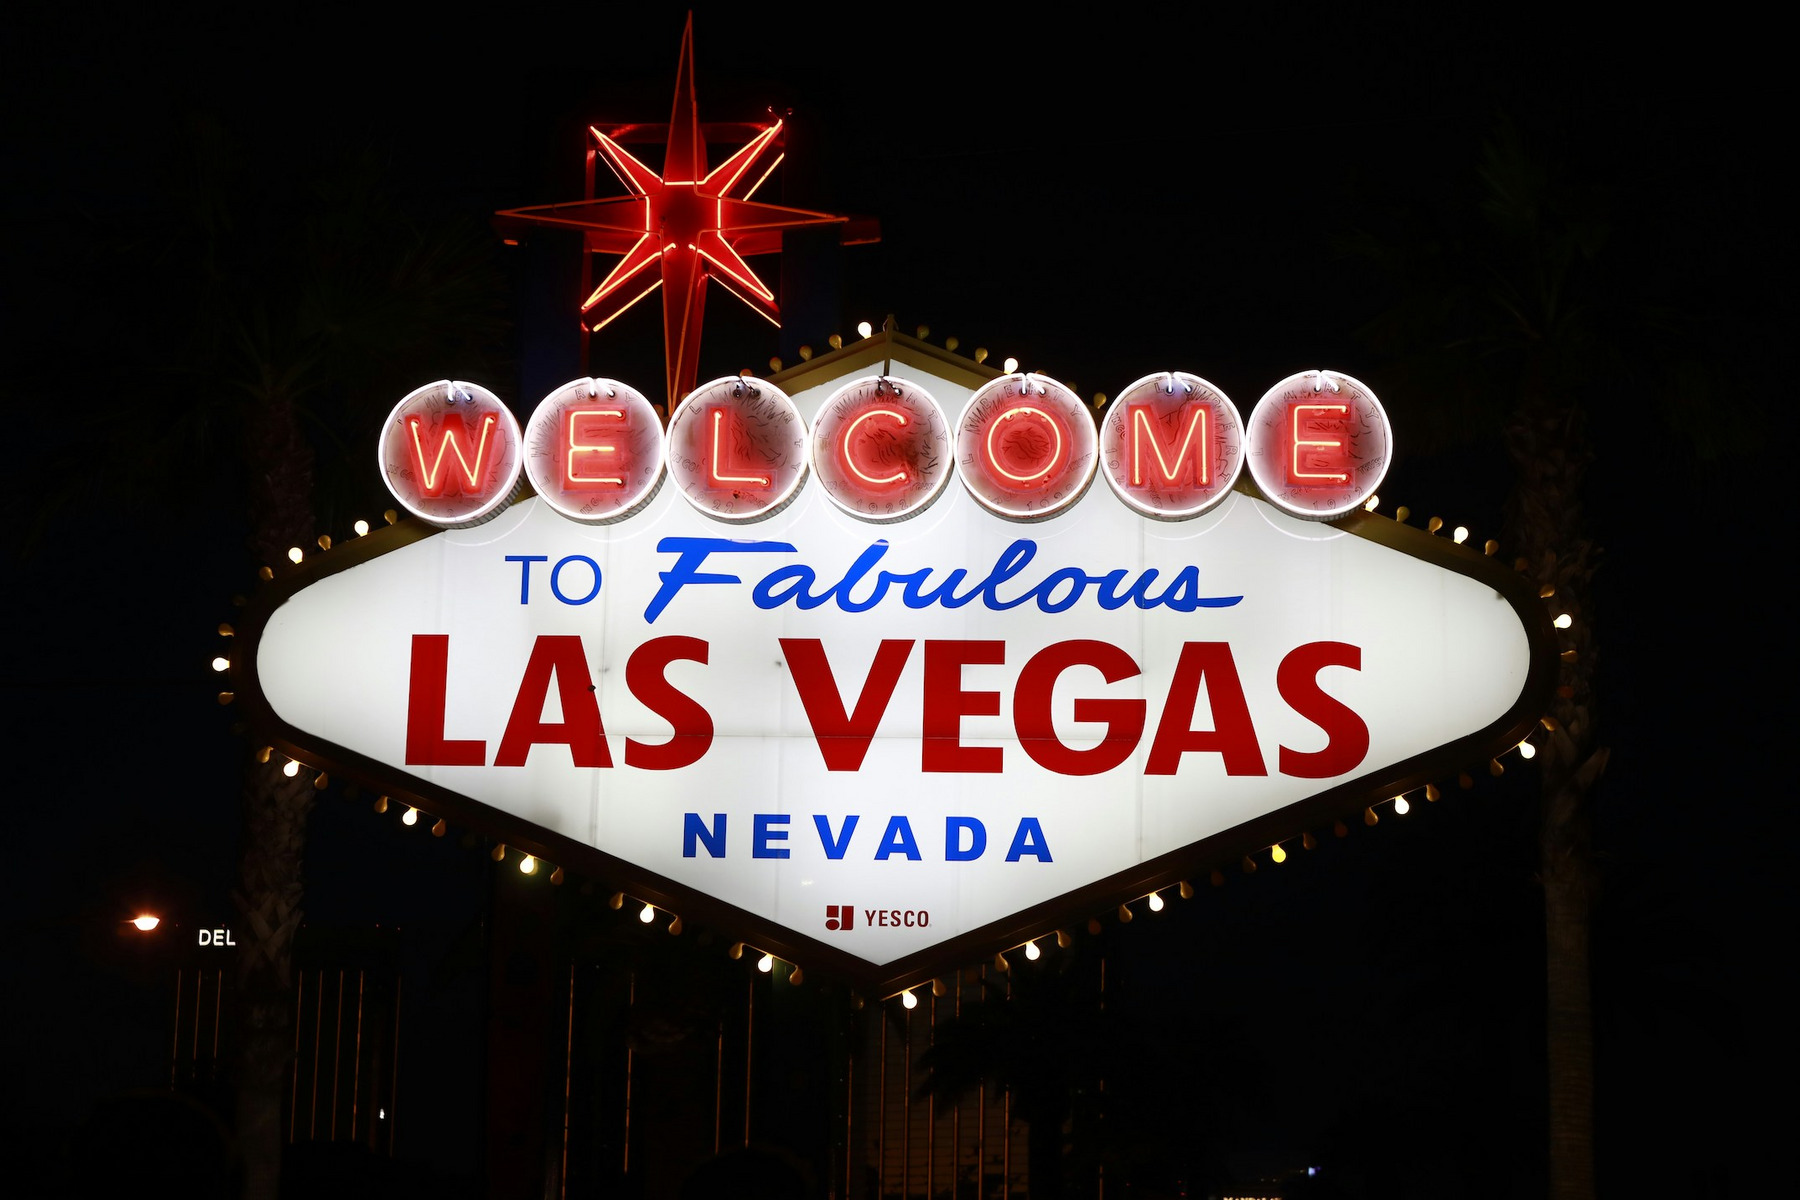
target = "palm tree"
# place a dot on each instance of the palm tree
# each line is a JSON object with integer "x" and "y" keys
{"x": 1045, "y": 1036}
{"x": 295, "y": 310}
{"x": 1517, "y": 317}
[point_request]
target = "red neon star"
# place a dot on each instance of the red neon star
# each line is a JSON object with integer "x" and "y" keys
{"x": 689, "y": 224}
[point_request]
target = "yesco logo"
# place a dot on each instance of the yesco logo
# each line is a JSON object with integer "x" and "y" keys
{"x": 842, "y": 917}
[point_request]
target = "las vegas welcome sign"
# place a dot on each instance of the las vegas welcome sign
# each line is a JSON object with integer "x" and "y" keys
{"x": 892, "y": 662}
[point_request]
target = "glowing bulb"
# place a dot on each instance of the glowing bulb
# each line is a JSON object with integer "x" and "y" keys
{"x": 292, "y": 769}
{"x": 647, "y": 914}
{"x": 1032, "y": 952}
{"x": 908, "y": 999}
{"x": 1277, "y": 853}
{"x": 295, "y": 554}
{"x": 766, "y": 963}
{"x": 1527, "y": 750}
{"x": 1156, "y": 902}
{"x": 1401, "y": 806}
{"x": 361, "y": 527}
{"x": 221, "y": 663}
{"x": 1011, "y": 365}
{"x": 1373, "y": 503}
{"x": 1564, "y": 621}
{"x": 528, "y": 865}
{"x": 864, "y": 329}
{"x": 1461, "y": 534}
{"x": 411, "y": 817}
{"x": 146, "y": 922}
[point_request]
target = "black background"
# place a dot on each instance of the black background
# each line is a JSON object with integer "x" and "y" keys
{"x": 1101, "y": 193}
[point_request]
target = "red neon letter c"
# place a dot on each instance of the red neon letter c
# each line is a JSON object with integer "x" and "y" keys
{"x": 853, "y": 449}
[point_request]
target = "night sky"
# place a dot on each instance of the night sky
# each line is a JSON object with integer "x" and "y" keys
{"x": 1100, "y": 201}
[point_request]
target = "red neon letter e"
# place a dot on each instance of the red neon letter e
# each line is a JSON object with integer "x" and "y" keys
{"x": 592, "y": 455}
{"x": 1319, "y": 443}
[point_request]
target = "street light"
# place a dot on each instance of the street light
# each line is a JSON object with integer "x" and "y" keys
{"x": 146, "y": 922}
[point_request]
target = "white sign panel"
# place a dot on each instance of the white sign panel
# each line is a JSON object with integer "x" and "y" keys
{"x": 879, "y": 738}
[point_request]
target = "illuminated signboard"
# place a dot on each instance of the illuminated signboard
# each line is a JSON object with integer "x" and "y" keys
{"x": 872, "y": 717}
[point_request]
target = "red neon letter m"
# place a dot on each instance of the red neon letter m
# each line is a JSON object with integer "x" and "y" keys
{"x": 1193, "y": 453}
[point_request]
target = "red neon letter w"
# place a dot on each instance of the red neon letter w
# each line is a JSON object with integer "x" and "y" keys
{"x": 453, "y": 436}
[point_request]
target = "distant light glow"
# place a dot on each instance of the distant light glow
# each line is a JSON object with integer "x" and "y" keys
{"x": 221, "y": 664}
{"x": 146, "y": 922}
{"x": 1564, "y": 621}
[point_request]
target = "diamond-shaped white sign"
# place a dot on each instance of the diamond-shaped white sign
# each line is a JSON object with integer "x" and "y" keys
{"x": 891, "y": 748}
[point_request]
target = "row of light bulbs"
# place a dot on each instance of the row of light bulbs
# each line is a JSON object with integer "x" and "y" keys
{"x": 864, "y": 329}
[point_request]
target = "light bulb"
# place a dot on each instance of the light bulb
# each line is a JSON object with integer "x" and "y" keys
{"x": 1156, "y": 902}
{"x": 647, "y": 914}
{"x": 1461, "y": 535}
{"x": 528, "y": 865}
{"x": 1401, "y": 806}
{"x": 908, "y": 999}
{"x": 292, "y": 769}
{"x": 864, "y": 329}
{"x": 221, "y": 663}
{"x": 146, "y": 922}
{"x": 1527, "y": 750}
{"x": 411, "y": 817}
{"x": 295, "y": 554}
{"x": 1277, "y": 853}
{"x": 361, "y": 527}
{"x": 1032, "y": 952}
{"x": 766, "y": 963}
{"x": 1564, "y": 621}
{"x": 1374, "y": 502}
{"x": 1011, "y": 365}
